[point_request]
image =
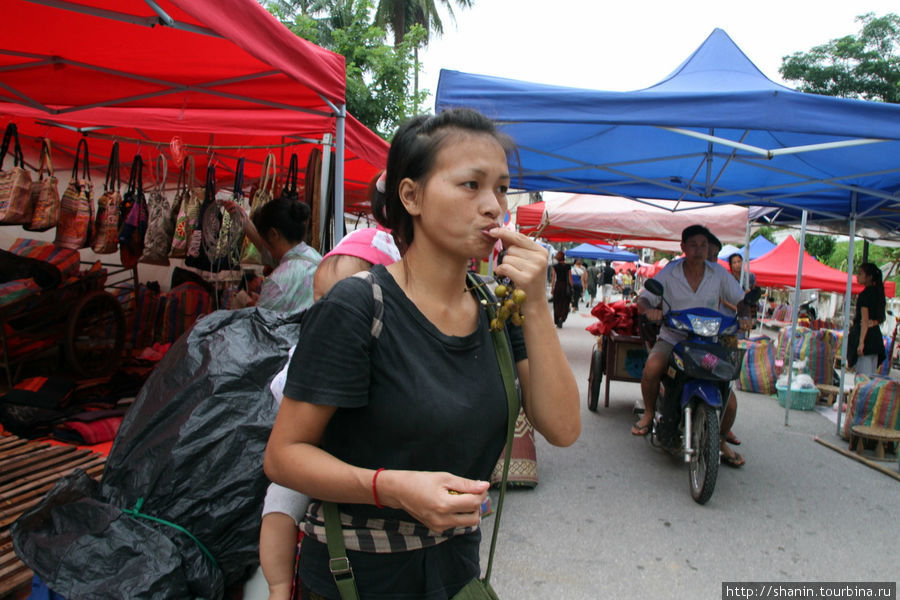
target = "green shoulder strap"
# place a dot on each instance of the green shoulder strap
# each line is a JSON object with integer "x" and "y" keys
{"x": 507, "y": 371}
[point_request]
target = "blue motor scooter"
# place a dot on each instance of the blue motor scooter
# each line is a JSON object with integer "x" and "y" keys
{"x": 696, "y": 386}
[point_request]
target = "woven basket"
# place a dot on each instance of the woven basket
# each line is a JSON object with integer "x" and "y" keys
{"x": 804, "y": 399}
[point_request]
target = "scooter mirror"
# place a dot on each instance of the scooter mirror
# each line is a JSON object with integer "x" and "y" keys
{"x": 654, "y": 287}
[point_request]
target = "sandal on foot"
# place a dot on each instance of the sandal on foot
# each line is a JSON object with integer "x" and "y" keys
{"x": 640, "y": 429}
{"x": 732, "y": 439}
{"x": 735, "y": 461}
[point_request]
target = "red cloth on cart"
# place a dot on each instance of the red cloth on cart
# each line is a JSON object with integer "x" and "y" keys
{"x": 619, "y": 316}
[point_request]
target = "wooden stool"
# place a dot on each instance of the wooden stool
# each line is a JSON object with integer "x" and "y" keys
{"x": 828, "y": 393}
{"x": 881, "y": 436}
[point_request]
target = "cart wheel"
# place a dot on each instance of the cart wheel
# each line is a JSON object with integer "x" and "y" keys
{"x": 595, "y": 377}
{"x": 95, "y": 335}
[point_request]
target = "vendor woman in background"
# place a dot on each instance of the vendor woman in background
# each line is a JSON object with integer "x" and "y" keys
{"x": 866, "y": 346}
{"x": 278, "y": 229}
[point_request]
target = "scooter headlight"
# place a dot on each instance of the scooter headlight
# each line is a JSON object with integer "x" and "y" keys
{"x": 679, "y": 323}
{"x": 705, "y": 326}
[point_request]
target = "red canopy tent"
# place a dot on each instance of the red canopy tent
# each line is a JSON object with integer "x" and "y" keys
{"x": 223, "y": 75}
{"x": 778, "y": 268}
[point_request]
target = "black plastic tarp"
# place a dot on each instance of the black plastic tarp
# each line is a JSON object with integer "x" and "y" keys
{"x": 177, "y": 512}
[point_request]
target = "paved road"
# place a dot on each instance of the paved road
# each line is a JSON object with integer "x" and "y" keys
{"x": 612, "y": 516}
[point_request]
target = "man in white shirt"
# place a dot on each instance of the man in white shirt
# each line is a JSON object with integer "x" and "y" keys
{"x": 688, "y": 283}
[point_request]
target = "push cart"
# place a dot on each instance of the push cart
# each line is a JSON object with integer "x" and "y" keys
{"x": 617, "y": 357}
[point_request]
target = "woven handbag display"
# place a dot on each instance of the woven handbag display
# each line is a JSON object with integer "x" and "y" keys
{"x": 76, "y": 209}
{"x": 264, "y": 193}
{"x": 215, "y": 245}
{"x": 15, "y": 183}
{"x": 106, "y": 225}
{"x": 44, "y": 194}
{"x": 158, "y": 239}
{"x": 131, "y": 235}
{"x": 187, "y": 202}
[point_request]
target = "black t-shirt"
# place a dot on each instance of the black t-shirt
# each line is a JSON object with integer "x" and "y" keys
{"x": 414, "y": 398}
{"x": 607, "y": 274}
{"x": 871, "y": 299}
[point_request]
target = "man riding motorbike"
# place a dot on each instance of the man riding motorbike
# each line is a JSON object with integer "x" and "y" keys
{"x": 690, "y": 282}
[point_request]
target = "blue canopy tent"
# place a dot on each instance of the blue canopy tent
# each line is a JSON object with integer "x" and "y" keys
{"x": 601, "y": 252}
{"x": 715, "y": 130}
{"x": 759, "y": 246}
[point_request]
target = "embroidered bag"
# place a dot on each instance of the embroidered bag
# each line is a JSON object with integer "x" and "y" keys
{"x": 131, "y": 235}
{"x": 188, "y": 199}
{"x": 76, "y": 209}
{"x": 106, "y": 225}
{"x": 15, "y": 184}
{"x": 158, "y": 239}
{"x": 44, "y": 194}
{"x": 263, "y": 194}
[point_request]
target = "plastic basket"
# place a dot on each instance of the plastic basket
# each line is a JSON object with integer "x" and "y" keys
{"x": 711, "y": 362}
{"x": 804, "y": 399}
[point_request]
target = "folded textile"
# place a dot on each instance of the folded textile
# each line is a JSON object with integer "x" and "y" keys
{"x": 91, "y": 427}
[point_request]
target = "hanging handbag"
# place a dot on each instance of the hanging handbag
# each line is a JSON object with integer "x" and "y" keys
{"x": 131, "y": 235}
{"x": 76, "y": 209}
{"x": 290, "y": 181}
{"x": 263, "y": 194}
{"x": 227, "y": 248}
{"x": 158, "y": 239}
{"x": 476, "y": 589}
{"x": 15, "y": 184}
{"x": 44, "y": 194}
{"x": 188, "y": 199}
{"x": 215, "y": 244}
{"x": 106, "y": 225}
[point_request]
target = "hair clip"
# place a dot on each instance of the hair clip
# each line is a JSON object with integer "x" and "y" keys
{"x": 380, "y": 184}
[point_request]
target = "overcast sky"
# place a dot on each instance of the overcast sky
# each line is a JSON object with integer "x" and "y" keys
{"x": 628, "y": 44}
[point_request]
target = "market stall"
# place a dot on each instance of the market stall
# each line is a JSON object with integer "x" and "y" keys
{"x": 187, "y": 88}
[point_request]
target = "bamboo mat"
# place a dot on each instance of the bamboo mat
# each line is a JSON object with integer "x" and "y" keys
{"x": 28, "y": 470}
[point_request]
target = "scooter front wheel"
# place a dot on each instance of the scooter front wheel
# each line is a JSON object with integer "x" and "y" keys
{"x": 704, "y": 465}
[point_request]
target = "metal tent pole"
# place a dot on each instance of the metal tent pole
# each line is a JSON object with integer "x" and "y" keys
{"x": 795, "y": 312}
{"x": 340, "y": 144}
{"x": 324, "y": 175}
{"x": 745, "y": 269}
{"x": 845, "y": 339}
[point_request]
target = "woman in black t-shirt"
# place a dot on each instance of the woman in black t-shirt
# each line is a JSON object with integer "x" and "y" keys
{"x": 403, "y": 430}
{"x": 865, "y": 348}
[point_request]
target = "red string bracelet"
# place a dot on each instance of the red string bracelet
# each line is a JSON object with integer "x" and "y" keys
{"x": 375, "y": 488}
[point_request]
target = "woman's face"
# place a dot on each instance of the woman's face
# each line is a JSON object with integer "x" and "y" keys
{"x": 462, "y": 198}
{"x": 736, "y": 263}
{"x": 863, "y": 278}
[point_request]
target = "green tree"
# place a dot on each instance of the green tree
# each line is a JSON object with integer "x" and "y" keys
{"x": 866, "y": 65}
{"x": 820, "y": 246}
{"x": 401, "y": 15}
{"x": 378, "y": 74}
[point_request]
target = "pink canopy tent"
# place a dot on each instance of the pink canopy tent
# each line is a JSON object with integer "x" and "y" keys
{"x": 585, "y": 218}
{"x": 223, "y": 75}
{"x": 778, "y": 268}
